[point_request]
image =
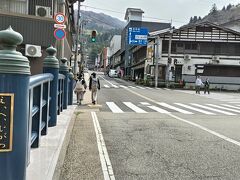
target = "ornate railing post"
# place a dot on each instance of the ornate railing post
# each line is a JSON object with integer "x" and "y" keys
{"x": 14, "y": 105}
{"x": 51, "y": 65}
{"x": 64, "y": 70}
{"x": 70, "y": 87}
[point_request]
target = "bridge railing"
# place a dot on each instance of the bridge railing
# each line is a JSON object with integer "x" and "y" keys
{"x": 28, "y": 104}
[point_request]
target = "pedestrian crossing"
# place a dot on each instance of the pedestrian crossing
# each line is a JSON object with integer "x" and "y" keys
{"x": 125, "y": 87}
{"x": 183, "y": 108}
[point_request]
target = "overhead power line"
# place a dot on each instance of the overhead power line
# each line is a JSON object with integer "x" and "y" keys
{"x": 114, "y": 11}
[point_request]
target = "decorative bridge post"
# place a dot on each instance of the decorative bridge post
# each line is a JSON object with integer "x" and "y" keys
{"x": 64, "y": 70}
{"x": 51, "y": 65}
{"x": 70, "y": 87}
{"x": 14, "y": 105}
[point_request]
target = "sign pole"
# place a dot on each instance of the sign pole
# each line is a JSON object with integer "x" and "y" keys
{"x": 76, "y": 46}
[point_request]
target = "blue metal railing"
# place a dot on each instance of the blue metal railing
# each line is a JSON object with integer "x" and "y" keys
{"x": 39, "y": 105}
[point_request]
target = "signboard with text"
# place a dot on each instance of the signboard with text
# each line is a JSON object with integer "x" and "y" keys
{"x": 137, "y": 36}
{"x": 6, "y": 122}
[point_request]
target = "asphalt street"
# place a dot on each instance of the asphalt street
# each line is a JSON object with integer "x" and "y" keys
{"x": 148, "y": 133}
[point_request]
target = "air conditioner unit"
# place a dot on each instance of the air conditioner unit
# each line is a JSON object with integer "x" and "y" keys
{"x": 33, "y": 50}
{"x": 187, "y": 57}
{"x": 215, "y": 59}
{"x": 43, "y": 11}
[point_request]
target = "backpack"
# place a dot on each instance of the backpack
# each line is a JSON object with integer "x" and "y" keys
{"x": 94, "y": 83}
{"x": 79, "y": 86}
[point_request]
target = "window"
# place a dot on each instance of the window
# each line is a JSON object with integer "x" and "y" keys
{"x": 191, "y": 46}
{"x": 15, "y": 6}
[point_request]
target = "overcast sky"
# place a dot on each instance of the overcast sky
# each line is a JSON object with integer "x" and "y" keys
{"x": 179, "y": 11}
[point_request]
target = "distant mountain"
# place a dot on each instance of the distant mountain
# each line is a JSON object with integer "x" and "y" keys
{"x": 225, "y": 15}
{"x": 100, "y": 21}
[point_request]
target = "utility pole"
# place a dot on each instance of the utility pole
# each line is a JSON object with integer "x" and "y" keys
{"x": 156, "y": 60}
{"x": 77, "y": 34}
{"x": 169, "y": 56}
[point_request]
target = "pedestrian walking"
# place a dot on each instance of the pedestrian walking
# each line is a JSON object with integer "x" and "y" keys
{"x": 206, "y": 86}
{"x": 94, "y": 86}
{"x": 198, "y": 84}
{"x": 80, "y": 89}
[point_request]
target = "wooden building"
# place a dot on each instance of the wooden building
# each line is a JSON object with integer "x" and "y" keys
{"x": 204, "y": 49}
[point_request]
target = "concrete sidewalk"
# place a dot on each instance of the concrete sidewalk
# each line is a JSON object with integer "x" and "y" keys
{"x": 69, "y": 150}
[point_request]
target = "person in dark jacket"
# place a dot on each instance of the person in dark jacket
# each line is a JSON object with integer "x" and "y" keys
{"x": 206, "y": 86}
{"x": 94, "y": 86}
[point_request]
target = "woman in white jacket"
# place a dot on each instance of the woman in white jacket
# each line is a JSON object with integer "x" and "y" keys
{"x": 198, "y": 84}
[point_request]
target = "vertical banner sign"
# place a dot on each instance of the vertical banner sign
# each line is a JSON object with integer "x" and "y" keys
{"x": 6, "y": 122}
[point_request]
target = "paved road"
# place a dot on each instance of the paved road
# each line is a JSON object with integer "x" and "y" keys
{"x": 148, "y": 133}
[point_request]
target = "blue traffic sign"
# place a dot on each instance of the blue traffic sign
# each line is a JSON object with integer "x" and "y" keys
{"x": 59, "y": 34}
{"x": 137, "y": 36}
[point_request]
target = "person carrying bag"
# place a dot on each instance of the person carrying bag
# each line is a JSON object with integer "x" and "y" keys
{"x": 80, "y": 89}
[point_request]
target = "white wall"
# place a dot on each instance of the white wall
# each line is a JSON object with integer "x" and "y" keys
{"x": 115, "y": 44}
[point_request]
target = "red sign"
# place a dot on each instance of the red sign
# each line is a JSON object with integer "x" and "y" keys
{"x": 59, "y": 34}
{"x": 59, "y": 18}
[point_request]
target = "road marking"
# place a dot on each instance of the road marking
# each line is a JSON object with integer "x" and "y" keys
{"x": 140, "y": 87}
{"x": 123, "y": 86}
{"x": 167, "y": 89}
{"x": 191, "y": 123}
{"x": 106, "y": 86}
{"x": 195, "y": 109}
{"x": 145, "y": 103}
{"x": 115, "y": 86}
{"x": 212, "y": 109}
{"x": 160, "y": 110}
{"x": 207, "y": 130}
{"x": 103, "y": 154}
{"x": 225, "y": 108}
{"x": 174, "y": 108}
{"x": 114, "y": 108}
{"x": 132, "y": 87}
{"x": 134, "y": 108}
{"x": 230, "y": 106}
{"x": 148, "y": 88}
{"x": 107, "y": 81}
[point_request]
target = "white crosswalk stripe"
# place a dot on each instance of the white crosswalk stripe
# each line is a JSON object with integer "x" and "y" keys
{"x": 140, "y": 87}
{"x": 106, "y": 86}
{"x": 174, "y": 108}
{"x": 230, "y": 106}
{"x": 134, "y": 108}
{"x": 114, "y": 108}
{"x": 145, "y": 103}
{"x": 123, "y": 87}
{"x": 195, "y": 109}
{"x": 160, "y": 110}
{"x": 213, "y": 109}
{"x": 225, "y": 108}
{"x": 132, "y": 87}
{"x": 209, "y": 109}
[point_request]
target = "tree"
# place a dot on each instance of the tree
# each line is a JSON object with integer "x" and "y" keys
{"x": 229, "y": 7}
{"x": 191, "y": 20}
{"x": 214, "y": 9}
{"x": 195, "y": 18}
{"x": 224, "y": 8}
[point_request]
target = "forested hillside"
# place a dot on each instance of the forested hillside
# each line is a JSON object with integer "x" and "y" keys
{"x": 219, "y": 16}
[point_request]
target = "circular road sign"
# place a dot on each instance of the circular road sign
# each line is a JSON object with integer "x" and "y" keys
{"x": 59, "y": 18}
{"x": 59, "y": 34}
